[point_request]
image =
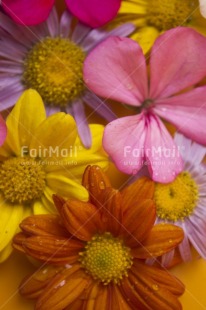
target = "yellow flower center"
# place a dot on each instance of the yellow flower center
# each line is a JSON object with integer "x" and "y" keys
{"x": 176, "y": 200}
{"x": 167, "y": 14}
{"x": 106, "y": 258}
{"x": 53, "y": 67}
{"x": 21, "y": 180}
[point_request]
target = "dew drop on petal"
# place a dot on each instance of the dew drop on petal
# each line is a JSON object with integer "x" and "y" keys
{"x": 155, "y": 287}
{"x": 101, "y": 185}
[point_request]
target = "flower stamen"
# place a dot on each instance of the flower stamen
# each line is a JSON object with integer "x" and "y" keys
{"x": 176, "y": 200}
{"x": 106, "y": 258}
{"x": 22, "y": 180}
{"x": 53, "y": 67}
{"x": 167, "y": 14}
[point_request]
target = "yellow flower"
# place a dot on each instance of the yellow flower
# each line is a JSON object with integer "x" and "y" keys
{"x": 152, "y": 17}
{"x": 41, "y": 156}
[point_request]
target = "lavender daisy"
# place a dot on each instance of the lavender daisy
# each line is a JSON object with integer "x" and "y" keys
{"x": 49, "y": 58}
{"x": 183, "y": 201}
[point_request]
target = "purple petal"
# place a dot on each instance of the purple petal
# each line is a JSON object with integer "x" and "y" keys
{"x": 167, "y": 258}
{"x": 184, "y": 248}
{"x": 80, "y": 32}
{"x": 99, "y": 106}
{"x": 10, "y": 66}
{"x": 82, "y": 124}
{"x": 10, "y": 100}
{"x": 53, "y": 23}
{"x": 51, "y": 110}
{"x": 96, "y": 36}
{"x": 65, "y": 24}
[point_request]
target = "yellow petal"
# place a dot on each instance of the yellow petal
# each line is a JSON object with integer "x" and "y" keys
{"x": 133, "y": 7}
{"x": 66, "y": 186}
{"x": 39, "y": 208}
{"x": 4, "y": 254}
{"x": 54, "y": 136}
{"x": 80, "y": 157}
{"x": 145, "y": 37}
{"x": 10, "y": 218}
{"x": 25, "y": 117}
{"x": 97, "y": 134}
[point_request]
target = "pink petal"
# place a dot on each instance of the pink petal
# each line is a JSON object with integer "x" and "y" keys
{"x": 164, "y": 160}
{"x": 177, "y": 61}
{"x": 94, "y": 13}
{"x": 124, "y": 141}
{"x": 3, "y": 130}
{"x": 116, "y": 69}
{"x": 187, "y": 112}
{"x": 28, "y": 12}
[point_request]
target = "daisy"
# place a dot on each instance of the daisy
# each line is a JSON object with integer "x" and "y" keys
{"x": 37, "y": 160}
{"x": 183, "y": 201}
{"x": 94, "y": 253}
{"x": 153, "y": 17}
{"x": 49, "y": 59}
{"x": 117, "y": 69}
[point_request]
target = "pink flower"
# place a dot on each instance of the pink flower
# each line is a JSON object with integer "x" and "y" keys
{"x": 117, "y": 69}
{"x": 28, "y": 12}
{"x": 94, "y": 13}
{"x": 3, "y": 130}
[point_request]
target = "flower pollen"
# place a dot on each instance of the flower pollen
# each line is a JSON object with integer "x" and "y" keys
{"x": 165, "y": 14}
{"x": 53, "y": 67}
{"x": 176, "y": 200}
{"x": 22, "y": 180}
{"x": 106, "y": 258}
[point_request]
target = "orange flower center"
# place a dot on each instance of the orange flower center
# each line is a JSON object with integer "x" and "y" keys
{"x": 22, "y": 180}
{"x": 53, "y": 67}
{"x": 106, "y": 258}
{"x": 167, "y": 14}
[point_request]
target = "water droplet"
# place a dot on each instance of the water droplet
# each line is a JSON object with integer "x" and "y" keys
{"x": 155, "y": 287}
{"x": 45, "y": 271}
{"x": 62, "y": 283}
{"x": 101, "y": 185}
{"x": 170, "y": 241}
{"x": 129, "y": 86}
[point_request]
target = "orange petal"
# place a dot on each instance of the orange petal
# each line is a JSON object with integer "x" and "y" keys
{"x": 82, "y": 219}
{"x": 18, "y": 240}
{"x": 111, "y": 211}
{"x": 138, "y": 222}
{"x": 32, "y": 286}
{"x": 59, "y": 202}
{"x": 64, "y": 289}
{"x": 118, "y": 302}
{"x": 44, "y": 224}
{"x": 52, "y": 250}
{"x": 142, "y": 188}
{"x": 152, "y": 293}
{"x": 163, "y": 277}
{"x": 95, "y": 181}
{"x": 161, "y": 239}
{"x": 132, "y": 295}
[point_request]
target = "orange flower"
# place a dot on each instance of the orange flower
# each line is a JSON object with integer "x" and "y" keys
{"x": 94, "y": 252}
